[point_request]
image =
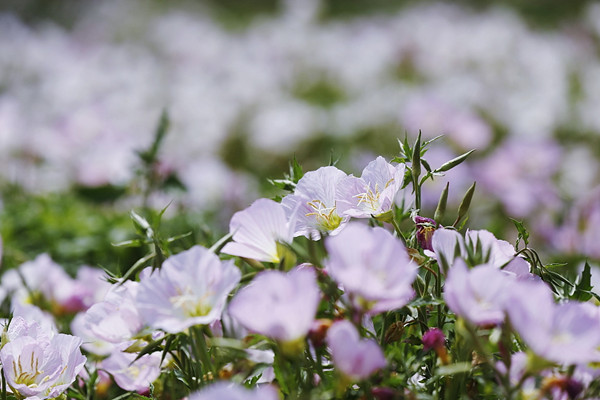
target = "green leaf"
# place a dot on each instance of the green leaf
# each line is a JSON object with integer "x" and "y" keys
{"x": 465, "y": 204}
{"x": 441, "y": 207}
{"x": 296, "y": 172}
{"x": 426, "y": 165}
{"x": 149, "y": 156}
{"x": 584, "y": 287}
{"x": 150, "y": 348}
{"x": 523, "y": 234}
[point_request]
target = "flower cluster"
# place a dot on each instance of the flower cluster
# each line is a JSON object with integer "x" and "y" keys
{"x": 339, "y": 290}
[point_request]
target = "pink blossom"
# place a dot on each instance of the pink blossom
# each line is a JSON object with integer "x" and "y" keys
{"x": 257, "y": 230}
{"x": 372, "y": 266}
{"x": 314, "y": 202}
{"x": 41, "y": 365}
{"x": 354, "y": 357}
{"x": 277, "y": 304}
{"x": 567, "y": 333}
{"x": 129, "y": 373}
{"x": 374, "y": 192}
{"x": 116, "y": 318}
{"x": 191, "y": 288}
{"x": 477, "y": 294}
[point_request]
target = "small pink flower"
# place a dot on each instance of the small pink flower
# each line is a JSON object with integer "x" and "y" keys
{"x": 279, "y": 305}
{"x": 129, "y": 373}
{"x": 354, "y": 357}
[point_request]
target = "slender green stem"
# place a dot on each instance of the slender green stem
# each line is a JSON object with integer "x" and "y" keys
{"x": 3, "y": 386}
{"x": 201, "y": 350}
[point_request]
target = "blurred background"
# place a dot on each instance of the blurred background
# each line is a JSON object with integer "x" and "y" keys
{"x": 248, "y": 85}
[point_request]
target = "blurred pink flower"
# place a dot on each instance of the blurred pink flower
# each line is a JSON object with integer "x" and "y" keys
{"x": 477, "y": 294}
{"x": 129, "y": 373}
{"x": 567, "y": 333}
{"x": 279, "y": 305}
{"x": 116, "y": 318}
{"x": 354, "y": 357}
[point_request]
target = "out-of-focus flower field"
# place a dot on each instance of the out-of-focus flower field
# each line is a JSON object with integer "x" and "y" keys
{"x": 131, "y": 133}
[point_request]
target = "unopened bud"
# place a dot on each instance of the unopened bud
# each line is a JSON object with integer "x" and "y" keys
{"x": 425, "y": 229}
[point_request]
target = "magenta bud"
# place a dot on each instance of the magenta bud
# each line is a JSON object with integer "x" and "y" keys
{"x": 425, "y": 229}
{"x": 433, "y": 339}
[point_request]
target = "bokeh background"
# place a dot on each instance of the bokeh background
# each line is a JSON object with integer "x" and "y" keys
{"x": 248, "y": 85}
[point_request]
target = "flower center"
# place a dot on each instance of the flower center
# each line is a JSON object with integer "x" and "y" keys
{"x": 28, "y": 376}
{"x": 327, "y": 218}
{"x": 191, "y": 305}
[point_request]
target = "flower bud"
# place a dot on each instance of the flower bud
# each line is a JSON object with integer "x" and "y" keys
{"x": 425, "y": 229}
{"x": 434, "y": 339}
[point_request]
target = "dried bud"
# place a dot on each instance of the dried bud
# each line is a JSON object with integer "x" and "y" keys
{"x": 318, "y": 331}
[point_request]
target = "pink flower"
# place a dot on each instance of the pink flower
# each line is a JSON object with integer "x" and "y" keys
{"x": 567, "y": 333}
{"x": 257, "y": 230}
{"x": 372, "y": 266}
{"x": 477, "y": 294}
{"x": 314, "y": 202}
{"x": 279, "y": 305}
{"x": 116, "y": 318}
{"x": 374, "y": 192}
{"x": 40, "y": 364}
{"x": 433, "y": 339}
{"x": 354, "y": 357}
{"x": 191, "y": 288}
{"x": 132, "y": 374}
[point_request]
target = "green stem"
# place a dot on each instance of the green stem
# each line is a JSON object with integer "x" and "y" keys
{"x": 3, "y": 386}
{"x": 201, "y": 350}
